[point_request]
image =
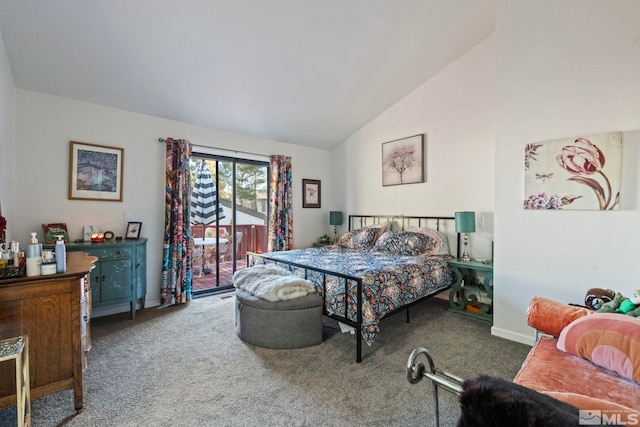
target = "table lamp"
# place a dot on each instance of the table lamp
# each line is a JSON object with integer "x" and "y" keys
{"x": 335, "y": 219}
{"x": 465, "y": 223}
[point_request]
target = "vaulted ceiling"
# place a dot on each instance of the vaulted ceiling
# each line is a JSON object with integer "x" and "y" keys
{"x": 309, "y": 72}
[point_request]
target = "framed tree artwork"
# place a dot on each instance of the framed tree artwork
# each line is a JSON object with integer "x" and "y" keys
{"x": 310, "y": 193}
{"x": 95, "y": 172}
{"x": 403, "y": 161}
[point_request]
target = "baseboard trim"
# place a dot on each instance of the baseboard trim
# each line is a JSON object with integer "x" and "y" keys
{"x": 121, "y": 308}
{"x": 512, "y": 336}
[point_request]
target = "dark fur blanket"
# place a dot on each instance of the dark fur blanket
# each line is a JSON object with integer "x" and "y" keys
{"x": 495, "y": 402}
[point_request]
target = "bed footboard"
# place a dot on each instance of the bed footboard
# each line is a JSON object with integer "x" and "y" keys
{"x": 357, "y": 324}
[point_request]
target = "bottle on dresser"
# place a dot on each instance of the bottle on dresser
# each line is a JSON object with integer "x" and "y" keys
{"x": 34, "y": 257}
{"x": 61, "y": 255}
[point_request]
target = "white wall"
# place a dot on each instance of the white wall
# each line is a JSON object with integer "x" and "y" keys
{"x": 456, "y": 112}
{"x": 564, "y": 69}
{"x": 7, "y": 138}
{"x": 552, "y": 70}
{"x": 45, "y": 125}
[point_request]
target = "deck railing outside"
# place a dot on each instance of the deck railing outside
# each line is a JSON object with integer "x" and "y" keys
{"x": 253, "y": 237}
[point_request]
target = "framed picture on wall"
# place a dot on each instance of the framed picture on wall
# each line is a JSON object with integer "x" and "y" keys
{"x": 403, "y": 161}
{"x": 310, "y": 193}
{"x": 579, "y": 173}
{"x": 95, "y": 172}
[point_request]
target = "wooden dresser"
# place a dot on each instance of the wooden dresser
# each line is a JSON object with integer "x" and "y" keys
{"x": 54, "y": 312}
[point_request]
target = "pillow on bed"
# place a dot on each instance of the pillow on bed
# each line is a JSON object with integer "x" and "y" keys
{"x": 403, "y": 243}
{"x": 362, "y": 238}
{"x": 441, "y": 242}
{"x": 609, "y": 340}
{"x": 382, "y": 228}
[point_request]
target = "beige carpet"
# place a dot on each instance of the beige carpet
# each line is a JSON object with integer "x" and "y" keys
{"x": 185, "y": 366}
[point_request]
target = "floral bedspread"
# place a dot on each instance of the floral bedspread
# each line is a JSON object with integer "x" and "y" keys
{"x": 389, "y": 281}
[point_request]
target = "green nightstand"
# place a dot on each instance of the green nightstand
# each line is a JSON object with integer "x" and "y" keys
{"x": 322, "y": 244}
{"x": 463, "y": 296}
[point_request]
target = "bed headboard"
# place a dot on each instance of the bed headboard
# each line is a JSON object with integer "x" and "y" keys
{"x": 446, "y": 224}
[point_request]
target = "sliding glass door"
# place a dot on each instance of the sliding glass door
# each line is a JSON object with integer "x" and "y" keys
{"x": 234, "y": 217}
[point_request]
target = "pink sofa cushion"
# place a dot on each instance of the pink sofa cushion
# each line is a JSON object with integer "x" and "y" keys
{"x": 547, "y": 369}
{"x": 592, "y": 403}
{"x": 551, "y": 317}
{"x": 609, "y": 340}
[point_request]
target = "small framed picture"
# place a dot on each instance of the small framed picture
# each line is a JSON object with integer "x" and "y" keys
{"x": 52, "y": 231}
{"x": 310, "y": 193}
{"x": 133, "y": 230}
{"x": 88, "y": 231}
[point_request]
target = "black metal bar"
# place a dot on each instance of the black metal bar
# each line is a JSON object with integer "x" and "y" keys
{"x": 439, "y": 379}
{"x": 359, "y": 322}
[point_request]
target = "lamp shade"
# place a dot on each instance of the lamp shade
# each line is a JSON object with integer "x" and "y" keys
{"x": 465, "y": 222}
{"x": 335, "y": 218}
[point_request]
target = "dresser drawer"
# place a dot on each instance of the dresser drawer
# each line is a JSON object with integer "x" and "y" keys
{"x": 110, "y": 253}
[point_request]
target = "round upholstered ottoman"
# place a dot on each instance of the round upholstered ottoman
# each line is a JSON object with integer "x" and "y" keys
{"x": 294, "y": 323}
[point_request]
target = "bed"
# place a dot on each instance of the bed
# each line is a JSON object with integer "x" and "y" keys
{"x": 381, "y": 266}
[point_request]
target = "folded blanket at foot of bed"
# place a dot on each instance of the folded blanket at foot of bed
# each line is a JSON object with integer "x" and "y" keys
{"x": 272, "y": 283}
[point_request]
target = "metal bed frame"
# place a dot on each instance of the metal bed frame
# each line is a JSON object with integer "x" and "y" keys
{"x": 359, "y": 221}
{"x": 439, "y": 379}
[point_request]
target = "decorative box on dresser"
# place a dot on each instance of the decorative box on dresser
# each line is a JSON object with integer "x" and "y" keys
{"x": 120, "y": 275}
{"x": 54, "y": 312}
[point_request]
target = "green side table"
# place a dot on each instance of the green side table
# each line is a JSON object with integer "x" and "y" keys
{"x": 463, "y": 296}
{"x": 322, "y": 244}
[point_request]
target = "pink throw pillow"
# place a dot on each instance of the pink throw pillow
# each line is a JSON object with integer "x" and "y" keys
{"x": 609, "y": 340}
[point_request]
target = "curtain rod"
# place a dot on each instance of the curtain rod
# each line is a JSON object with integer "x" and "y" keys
{"x": 221, "y": 149}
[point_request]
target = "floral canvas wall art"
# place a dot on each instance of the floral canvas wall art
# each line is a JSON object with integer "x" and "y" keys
{"x": 575, "y": 173}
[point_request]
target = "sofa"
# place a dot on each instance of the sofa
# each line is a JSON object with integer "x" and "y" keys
{"x": 587, "y": 359}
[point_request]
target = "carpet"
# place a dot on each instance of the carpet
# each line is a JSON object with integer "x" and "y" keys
{"x": 185, "y": 366}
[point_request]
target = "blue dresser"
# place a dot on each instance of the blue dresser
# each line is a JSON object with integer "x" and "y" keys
{"x": 120, "y": 274}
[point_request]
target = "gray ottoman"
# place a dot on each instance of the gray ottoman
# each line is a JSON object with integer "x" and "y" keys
{"x": 292, "y": 323}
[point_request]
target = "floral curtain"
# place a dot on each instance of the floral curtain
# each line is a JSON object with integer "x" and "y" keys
{"x": 176, "y": 257}
{"x": 281, "y": 206}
